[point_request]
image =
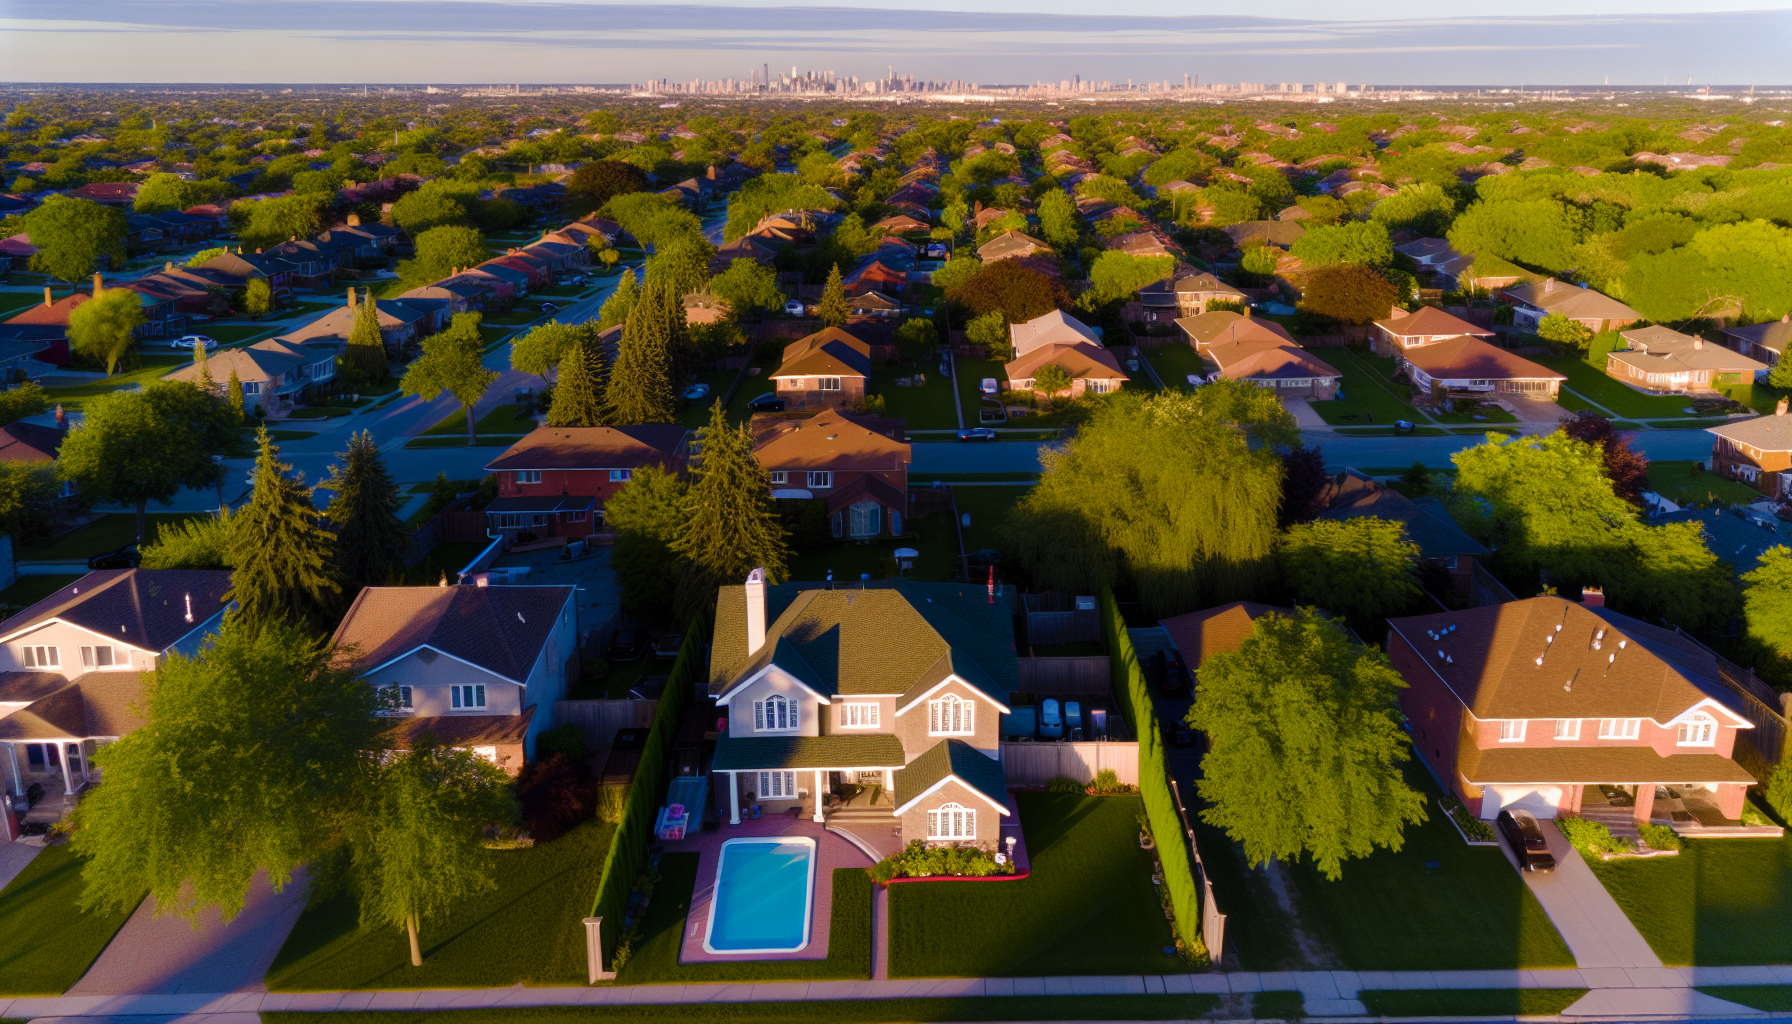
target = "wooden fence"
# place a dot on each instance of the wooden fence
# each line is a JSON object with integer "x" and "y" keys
{"x": 1053, "y": 677}
{"x": 1035, "y": 764}
{"x": 1053, "y": 618}
{"x": 601, "y": 718}
{"x": 1213, "y": 920}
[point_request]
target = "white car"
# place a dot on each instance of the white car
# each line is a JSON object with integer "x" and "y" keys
{"x": 793, "y": 308}
{"x": 987, "y": 386}
{"x": 189, "y": 340}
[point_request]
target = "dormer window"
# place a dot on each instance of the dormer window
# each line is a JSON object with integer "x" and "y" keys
{"x": 1698, "y": 730}
{"x": 951, "y": 716}
{"x": 776, "y": 713}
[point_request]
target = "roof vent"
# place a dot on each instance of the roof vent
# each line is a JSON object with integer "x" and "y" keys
{"x": 189, "y": 607}
{"x": 519, "y": 618}
{"x": 426, "y": 656}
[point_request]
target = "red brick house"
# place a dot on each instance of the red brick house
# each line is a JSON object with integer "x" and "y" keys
{"x": 828, "y": 369}
{"x": 1758, "y": 451}
{"x": 555, "y": 481}
{"x": 1562, "y": 708}
{"x": 857, "y": 464}
{"x": 1664, "y": 360}
{"x": 1430, "y": 325}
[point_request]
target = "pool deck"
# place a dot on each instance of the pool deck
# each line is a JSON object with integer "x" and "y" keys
{"x": 831, "y": 852}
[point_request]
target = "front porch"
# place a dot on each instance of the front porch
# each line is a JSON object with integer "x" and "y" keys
{"x": 59, "y": 770}
{"x": 1691, "y": 809}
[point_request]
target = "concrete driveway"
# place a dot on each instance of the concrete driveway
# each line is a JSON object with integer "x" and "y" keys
{"x": 152, "y": 956}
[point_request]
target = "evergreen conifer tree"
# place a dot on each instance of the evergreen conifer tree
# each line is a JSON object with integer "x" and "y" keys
{"x": 370, "y": 538}
{"x": 205, "y": 372}
{"x": 833, "y": 309}
{"x": 640, "y": 386}
{"x": 235, "y": 394}
{"x": 579, "y": 393}
{"x": 366, "y": 349}
{"x": 732, "y": 527}
{"x": 621, "y": 301}
{"x": 282, "y": 556}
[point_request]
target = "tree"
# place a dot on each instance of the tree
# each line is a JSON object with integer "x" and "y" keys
{"x": 167, "y": 193}
{"x": 1304, "y": 480}
{"x": 640, "y": 386}
{"x": 1349, "y": 294}
{"x": 1361, "y": 568}
{"x": 648, "y": 515}
{"x": 1422, "y": 207}
{"x": 1058, "y": 220}
{"x": 134, "y": 447}
{"x": 264, "y": 222}
{"x": 1019, "y": 291}
{"x": 72, "y": 234}
{"x": 204, "y": 377}
{"x": 767, "y": 194}
{"x": 1304, "y": 745}
{"x": 1365, "y": 243}
{"x": 654, "y": 220}
{"x": 233, "y": 393}
{"x": 1564, "y": 332}
{"x": 258, "y": 297}
{"x": 285, "y": 569}
{"x": 443, "y": 250}
{"x": 1767, "y": 600}
{"x": 101, "y": 328}
{"x": 730, "y": 527}
{"x": 1627, "y": 467}
{"x": 1051, "y": 379}
{"x": 544, "y": 347}
{"x": 617, "y": 306}
{"x": 579, "y": 397}
{"x": 245, "y": 763}
{"x": 1780, "y": 377}
{"x": 418, "y": 839}
{"x": 366, "y": 349}
{"x": 439, "y": 202}
{"x": 596, "y": 183}
{"x": 1538, "y": 232}
{"x": 452, "y": 362}
{"x": 371, "y": 540}
{"x": 202, "y": 543}
{"x": 990, "y": 331}
{"x": 1260, "y": 261}
{"x": 958, "y": 270}
{"x": 28, "y": 498}
{"x": 747, "y": 287}
{"x": 1120, "y": 275}
{"x": 681, "y": 265}
{"x": 833, "y": 309}
{"x": 204, "y": 256}
{"x": 916, "y": 339}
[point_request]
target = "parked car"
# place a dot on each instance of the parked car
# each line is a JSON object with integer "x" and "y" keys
{"x": 1525, "y": 836}
{"x": 793, "y": 308}
{"x": 1172, "y": 674}
{"x": 667, "y": 646}
{"x": 1073, "y": 720}
{"x": 1051, "y": 722}
{"x": 126, "y": 557}
{"x": 768, "y": 402}
{"x": 626, "y": 645}
{"x": 987, "y": 385}
{"x": 576, "y": 279}
{"x": 189, "y": 340}
{"x": 549, "y": 307}
{"x": 977, "y": 434}
{"x": 696, "y": 392}
{"x": 1021, "y": 723}
{"x": 1181, "y": 735}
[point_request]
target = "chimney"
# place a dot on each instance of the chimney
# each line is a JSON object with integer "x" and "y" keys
{"x": 47, "y": 300}
{"x": 354, "y": 220}
{"x": 1549, "y": 286}
{"x": 1592, "y": 597}
{"x": 61, "y": 418}
{"x": 1780, "y": 409}
{"x": 755, "y": 611}
{"x": 1697, "y": 344}
{"x": 168, "y": 267}
{"x": 99, "y": 284}
{"x": 351, "y": 298}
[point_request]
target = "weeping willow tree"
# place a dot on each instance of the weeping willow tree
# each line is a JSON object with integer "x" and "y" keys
{"x": 1175, "y": 493}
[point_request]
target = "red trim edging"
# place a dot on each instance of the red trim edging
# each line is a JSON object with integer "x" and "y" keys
{"x": 1017, "y": 876}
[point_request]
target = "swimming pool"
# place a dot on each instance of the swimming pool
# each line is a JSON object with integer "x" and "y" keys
{"x": 764, "y": 889}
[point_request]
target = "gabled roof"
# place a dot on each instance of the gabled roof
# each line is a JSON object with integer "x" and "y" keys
{"x": 1190, "y": 282}
{"x": 1774, "y": 335}
{"x": 1474, "y": 359}
{"x": 94, "y": 704}
{"x": 829, "y": 439}
{"x": 30, "y": 442}
{"x": 1420, "y": 248}
{"x": 1198, "y": 635}
{"x": 499, "y": 629}
{"x": 952, "y": 759}
{"x": 55, "y": 313}
{"x": 1224, "y": 325}
{"x": 830, "y": 352}
{"x": 1009, "y": 243}
{"x": 1274, "y": 232}
{"x": 1267, "y": 359}
{"x": 265, "y": 361}
{"x": 1428, "y": 523}
{"x": 1768, "y": 433}
{"x": 597, "y": 448}
{"x": 1553, "y": 296}
{"x": 1082, "y": 360}
{"x": 142, "y": 608}
{"x": 1608, "y": 765}
{"x": 1054, "y": 328}
{"x": 1431, "y": 322}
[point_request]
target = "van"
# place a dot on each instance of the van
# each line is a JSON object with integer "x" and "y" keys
{"x": 1020, "y": 724}
{"x": 1051, "y": 725}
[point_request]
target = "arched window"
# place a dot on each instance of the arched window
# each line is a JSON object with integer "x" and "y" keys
{"x": 950, "y": 716}
{"x": 775, "y": 713}
{"x": 952, "y": 821}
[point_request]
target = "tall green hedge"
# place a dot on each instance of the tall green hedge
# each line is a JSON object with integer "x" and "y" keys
{"x": 628, "y": 851}
{"x": 1154, "y": 773}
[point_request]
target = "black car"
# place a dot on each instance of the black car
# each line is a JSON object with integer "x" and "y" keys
{"x": 126, "y": 557}
{"x": 1172, "y": 674}
{"x": 768, "y": 402}
{"x": 1181, "y": 735}
{"x": 667, "y": 646}
{"x": 626, "y": 645}
{"x": 1525, "y": 837}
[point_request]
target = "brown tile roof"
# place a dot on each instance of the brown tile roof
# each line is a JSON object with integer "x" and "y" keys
{"x": 1199, "y": 634}
{"x": 144, "y": 608}
{"x": 1082, "y": 361}
{"x": 1610, "y": 765}
{"x": 1225, "y": 325}
{"x": 597, "y": 448}
{"x": 826, "y": 440}
{"x": 1431, "y": 322}
{"x": 95, "y": 704}
{"x": 500, "y": 629}
{"x": 30, "y": 442}
{"x": 1474, "y": 359}
{"x": 460, "y": 730}
{"x": 830, "y": 352}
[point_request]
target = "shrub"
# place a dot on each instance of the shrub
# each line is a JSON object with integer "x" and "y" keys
{"x": 1474, "y": 828}
{"x": 1063, "y": 785}
{"x": 1108, "y": 784}
{"x": 611, "y": 797}
{"x": 918, "y": 860}
{"x": 557, "y": 793}
{"x": 1659, "y": 837}
{"x": 568, "y": 739}
{"x": 1589, "y": 837}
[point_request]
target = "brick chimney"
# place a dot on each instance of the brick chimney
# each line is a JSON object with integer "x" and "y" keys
{"x": 1592, "y": 597}
{"x": 1697, "y": 344}
{"x": 1780, "y": 409}
{"x": 61, "y": 417}
{"x": 755, "y": 611}
{"x": 351, "y": 298}
{"x": 1549, "y": 285}
{"x": 99, "y": 284}
{"x": 168, "y": 267}
{"x": 47, "y": 300}
{"x": 354, "y": 220}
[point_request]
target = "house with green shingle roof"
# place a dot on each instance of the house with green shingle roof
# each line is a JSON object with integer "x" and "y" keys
{"x": 888, "y": 698}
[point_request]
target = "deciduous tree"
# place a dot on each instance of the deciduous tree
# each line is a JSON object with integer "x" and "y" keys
{"x": 202, "y": 543}
{"x": 1627, "y": 467}
{"x": 101, "y": 328}
{"x": 1051, "y": 380}
{"x": 1058, "y": 219}
{"x": 542, "y": 349}
{"x": 258, "y": 297}
{"x": 452, "y": 362}
{"x": 1361, "y": 568}
{"x": 28, "y": 498}
{"x": 370, "y": 538}
{"x": 916, "y": 339}
{"x": 443, "y": 250}
{"x": 1365, "y": 243}
{"x": 748, "y": 288}
{"x": 596, "y": 183}
{"x": 616, "y": 307}
{"x": 1019, "y": 291}
{"x": 649, "y": 514}
{"x": 1349, "y": 294}
{"x": 285, "y": 563}
{"x": 72, "y": 234}
{"x": 134, "y": 447}
{"x": 1565, "y": 333}
{"x": 1120, "y": 275}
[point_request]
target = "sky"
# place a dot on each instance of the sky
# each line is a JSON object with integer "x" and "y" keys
{"x": 450, "y": 42}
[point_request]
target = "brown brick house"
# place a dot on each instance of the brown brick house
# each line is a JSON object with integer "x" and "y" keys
{"x": 1757, "y": 452}
{"x": 1660, "y": 359}
{"x": 1428, "y": 326}
{"x": 827, "y": 369}
{"x": 857, "y": 465}
{"x": 555, "y": 481}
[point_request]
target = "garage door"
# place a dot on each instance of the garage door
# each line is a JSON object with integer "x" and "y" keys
{"x": 1539, "y": 800}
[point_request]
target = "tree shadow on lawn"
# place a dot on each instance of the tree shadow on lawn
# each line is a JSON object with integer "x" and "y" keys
{"x": 1721, "y": 902}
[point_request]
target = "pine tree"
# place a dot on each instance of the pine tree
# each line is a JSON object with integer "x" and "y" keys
{"x": 579, "y": 393}
{"x": 282, "y": 556}
{"x": 205, "y": 372}
{"x": 833, "y": 309}
{"x": 370, "y": 538}
{"x": 732, "y": 526}
{"x": 366, "y": 349}
{"x": 235, "y": 394}
{"x": 640, "y": 387}
{"x": 621, "y": 301}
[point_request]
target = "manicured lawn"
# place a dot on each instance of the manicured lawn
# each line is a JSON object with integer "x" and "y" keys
{"x": 662, "y": 934}
{"x": 1259, "y": 933}
{"x": 1722, "y": 902}
{"x": 988, "y": 508}
{"x": 1469, "y": 1002}
{"x": 153, "y": 368}
{"x": 528, "y": 930}
{"x": 1592, "y": 383}
{"x": 10, "y": 301}
{"x": 1174, "y": 361}
{"x": 929, "y": 406}
{"x": 505, "y": 419}
{"x": 1394, "y": 911}
{"x": 319, "y": 412}
{"x": 1089, "y": 906}
{"x": 107, "y": 533}
{"x": 31, "y": 589}
{"x": 1758, "y": 397}
{"x": 1682, "y": 483}
{"x": 49, "y": 942}
{"x": 931, "y": 535}
{"x": 1772, "y": 998}
{"x": 971, "y": 373}
{"x": 752, "y": 386}
{"x": 866, "y": 1011}
{"x": 1369, "y": 395}
{"x": 696, "y": 414}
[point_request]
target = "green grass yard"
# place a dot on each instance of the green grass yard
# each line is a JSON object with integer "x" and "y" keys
{"x": 1470, "y": 1002}
{"x": 153, "y": 367}
{"x": 928, "y": 407}
{"x": 107, "y": 533}
{"x": 50, "y": 943}
{"x": 1772, "y": 998}
{"x": 29, "y": 590}
{"x": 863, "y": 1011}
{"x": 663, "y": 929}
{"x": 527, "y": 931}
{"x": 971, "y": 373}
{"x": 1591, "y": 383}
{"x": 1089, "y": 906}
{"x": 696, "y": 414}
{"x": 988, "y": 508}
{"x": 1721, "y": 902}
{"x": 505, "y": 419}
{"x": 1684, "y": 484}
{"x": 1174, "y": 362}
{"x": 1369, "y": 394}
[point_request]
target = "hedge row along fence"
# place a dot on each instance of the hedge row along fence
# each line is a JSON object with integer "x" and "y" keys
{"x": 1154, "y": 774}
{"x": 628, "y": 850}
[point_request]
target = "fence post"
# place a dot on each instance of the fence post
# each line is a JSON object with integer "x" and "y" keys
{"x": 594, "y": 951}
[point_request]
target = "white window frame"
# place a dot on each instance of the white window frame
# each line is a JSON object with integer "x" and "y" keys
{"x": 1567, "y": 728}
{"x": 860, "y": 716}
{"x": 821, "y": 478}
{"x": 778, "y": 714}
{"x": 1700, "y": 730}
{"x": 779, "y": 476}
{"x": 251, "y": 387}
{"x": 40, "y": 656}
{"x": 951, "y": 715}
{"x": 827, "y": 384}
{"x": 468, "y": 697}
{"x": 528, "y": 476}
{"x": 1619, "y": 728}
{"x": 1512, "y": 730}
{"x": 950, "y": 822}
{"x": 621, "y": 476}
{"x": 777, "y": 785}
{"x": 91, "y": 657}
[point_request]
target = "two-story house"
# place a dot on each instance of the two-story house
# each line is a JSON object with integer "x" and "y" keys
{"x": 897, "y": 691}
{"x": 828, "y": 369}
{"x": 555, "y": 481}
{"x": 857, "y": 465}
{"x": 1758, "y": 451}
{"x": 1596, "y": 311}
{"x": 1185, "y": 293}
{"x": 1430, "y": 325}
{"x": 1563, "y": 708}
{"x": 71, "y": 668}
{"x": 473, "y": 667}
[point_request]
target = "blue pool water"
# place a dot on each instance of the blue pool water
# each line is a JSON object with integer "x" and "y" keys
{"x": 764, "y": 888}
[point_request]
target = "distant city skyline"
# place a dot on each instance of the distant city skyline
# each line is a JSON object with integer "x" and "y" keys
{"x": 470, "y": 42}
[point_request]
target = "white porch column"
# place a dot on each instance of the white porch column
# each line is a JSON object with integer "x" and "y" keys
{"x": 12, "y": 763}
{"x": 86, "y": 770}
{"x": 818, "y": 815}
{"x": 68, "y": 775}
{"x": 733, "y": 798}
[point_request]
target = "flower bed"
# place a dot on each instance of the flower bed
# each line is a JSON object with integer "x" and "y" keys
{"x": 918, "y": 862}
{"x": 1475, "y": 832}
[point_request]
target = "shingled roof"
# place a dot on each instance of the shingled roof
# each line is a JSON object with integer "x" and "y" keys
{"x": 597, "y": 448}
{"x": 96, "y": 704}
{"x": 499, "y": 629}
{"x": 142, "y": 608}
{"x": 952, "y": 759}
{"x": 1199, "y": 635}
